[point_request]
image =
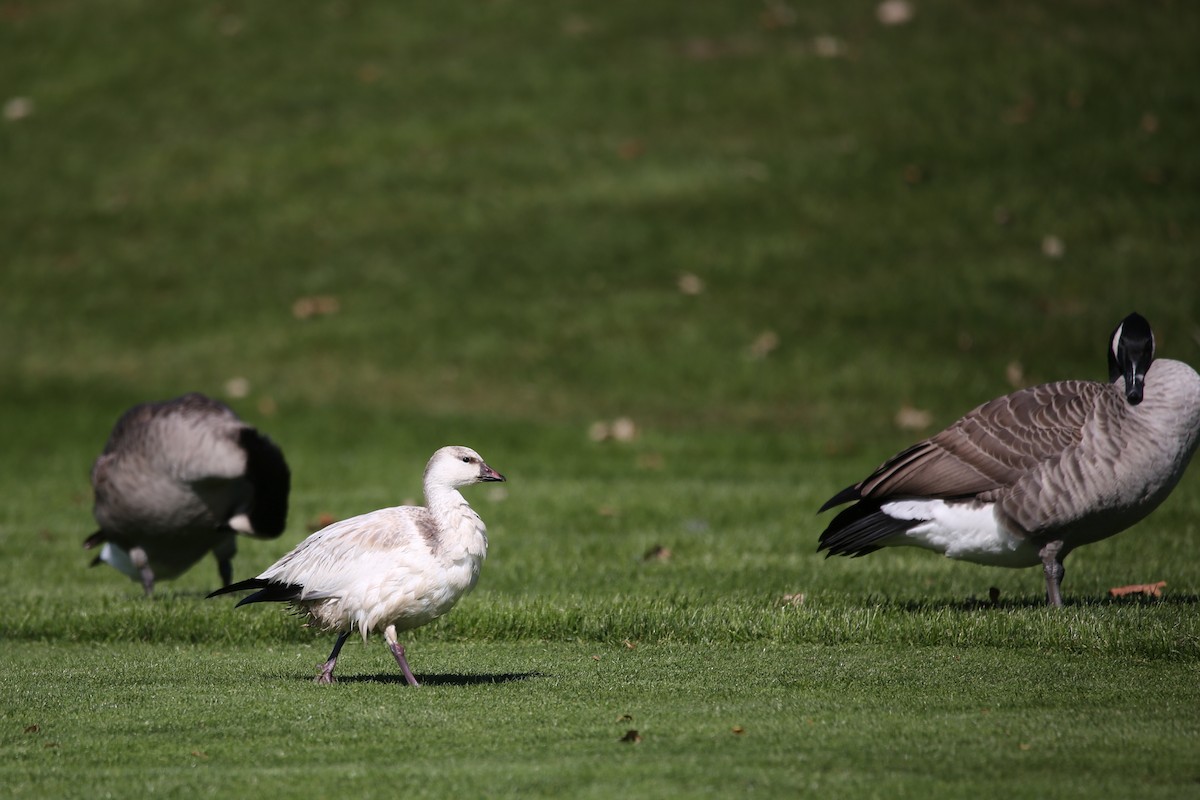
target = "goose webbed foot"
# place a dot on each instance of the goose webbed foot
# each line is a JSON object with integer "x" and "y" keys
{"x": 325, "y": 676}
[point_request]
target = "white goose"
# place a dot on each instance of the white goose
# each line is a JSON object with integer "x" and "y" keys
{"x": 179, "y": 479}
{"x": 388, "y": 570}
{"x": 1027, "y": 478}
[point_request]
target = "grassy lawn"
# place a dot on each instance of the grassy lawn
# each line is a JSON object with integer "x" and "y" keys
{"x": 758, "y": 230}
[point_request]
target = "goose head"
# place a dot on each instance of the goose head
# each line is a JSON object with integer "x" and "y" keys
{"x": 456, "y": 466}
{"x": 1130, "y": 354}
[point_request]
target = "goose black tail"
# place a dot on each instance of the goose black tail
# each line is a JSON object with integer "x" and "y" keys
{"x": 268, "y": 591}
{"x": 860, "y": 529}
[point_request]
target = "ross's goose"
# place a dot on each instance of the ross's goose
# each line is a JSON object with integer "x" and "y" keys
{"x": 389, "y": 570}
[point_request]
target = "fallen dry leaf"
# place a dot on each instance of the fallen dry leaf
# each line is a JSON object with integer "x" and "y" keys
{"x": 598, "y": 431}
{"x": 792, "y": 599}
{"x": 630, "y": 645}
{"x": 913, "y": 419}
{"x": 690, "y": 284}
{"x": 657, "y": 553}
{"x": 631, "y": 736}
{"x": 32, "y": 728}
{"x": 18, "y": 108}
{"x": 650, "y": 461}
{"x": 369, "y": 73}
{"x": 738, "y": 729}
{"x": 631, "y": 149}
{"x": 621, "y": 429}
{"x": 624, "y": 429}
{"x": 315, "y": 306}
{"x": 237, "y": 388}
{"x": 764, "y": 344}
{"x": 1053, "y": 247}
{"x": 914, "y": 174}
{"x": 894, "y": 12}
{"x": 827, "y": 46}
{"x": 777, "y": 15}
{"x": 1014, "y": 373}
{"x": 322, "y": 520}
{"x": 1147, "y": 589}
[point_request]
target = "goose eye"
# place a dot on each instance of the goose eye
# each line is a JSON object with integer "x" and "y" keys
{"x": 466, "y": 459}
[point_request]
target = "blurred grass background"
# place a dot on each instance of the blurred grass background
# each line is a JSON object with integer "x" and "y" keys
{"x": 758, "y": 230}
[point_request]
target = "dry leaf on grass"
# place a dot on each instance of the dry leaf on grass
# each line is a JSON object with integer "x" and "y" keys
{"x": 913, "y": 419}
{"x": 1147, "y": 589}
{"x": 631, "y": 736}
{"x": 1053, "y": 247}
{"x": 657, "y": 553}
{"x": 1014, "y": 373}
{"x": 237, "y": 388}
{"x": 18, "y": 108}
{"x": 315, "y": 306}
{"x": 322, "y": 520}
{"x": 621, "y": 429}
{"x": 764, "y": 344}
{"x": 690, "y": 284}
{"x": 894, "y": 12}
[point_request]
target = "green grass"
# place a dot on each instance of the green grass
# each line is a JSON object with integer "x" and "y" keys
{"x": 503, "y": 198}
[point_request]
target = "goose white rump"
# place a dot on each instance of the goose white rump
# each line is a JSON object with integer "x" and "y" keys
{"x": 390, "y": 570}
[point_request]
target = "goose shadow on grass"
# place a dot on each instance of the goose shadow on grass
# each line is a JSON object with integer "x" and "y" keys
{"x": 436, "y": 679}
{"x": 1032, "y": 602}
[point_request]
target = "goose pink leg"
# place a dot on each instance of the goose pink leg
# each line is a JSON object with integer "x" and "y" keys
{"x": 397, "y": 649}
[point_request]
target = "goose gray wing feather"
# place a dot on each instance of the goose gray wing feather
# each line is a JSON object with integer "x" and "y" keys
{"x": 991, "y": 448}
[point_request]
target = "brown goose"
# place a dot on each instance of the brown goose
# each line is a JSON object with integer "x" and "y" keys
{"x": 1028, "y": 477}
{"x": 180, "y": 479}
{"x": 387, "y": 570}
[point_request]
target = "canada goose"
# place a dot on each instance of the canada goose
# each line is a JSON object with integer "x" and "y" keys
{"x": 387, "y": 570}
{"x": 1028, "y": 477}
{"x": 182, "y": 478}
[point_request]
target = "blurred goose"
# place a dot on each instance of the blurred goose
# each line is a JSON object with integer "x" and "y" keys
{"x": 179, "y": 479}
{"x": 388, "y": 570}
{"x": 1027, "y": 478}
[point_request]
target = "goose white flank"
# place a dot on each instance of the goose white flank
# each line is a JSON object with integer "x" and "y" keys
{"x": 389, "y": 570}
{"x": 180, "y": 479}
{"x": 1027, "y": 478}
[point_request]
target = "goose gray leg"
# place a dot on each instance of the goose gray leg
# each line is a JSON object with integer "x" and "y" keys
{"x": 1052, "y": 558}
{"x": 224, "y": 553}
{"x": 389, "y": 634}
{"x": 225, "y": 570}
{"x": 142, "y": 562}
{"x": 326, "y": 673}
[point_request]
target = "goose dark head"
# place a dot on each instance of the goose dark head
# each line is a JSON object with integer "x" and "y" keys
{"x": 1130, "y": 354}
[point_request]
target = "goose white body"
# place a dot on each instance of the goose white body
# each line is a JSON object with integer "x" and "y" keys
{"x": 389, "y": 570}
